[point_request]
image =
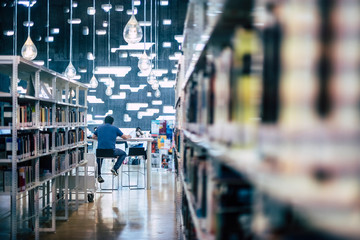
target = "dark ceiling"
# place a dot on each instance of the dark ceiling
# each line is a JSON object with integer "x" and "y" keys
{"x": 82, "y": 45}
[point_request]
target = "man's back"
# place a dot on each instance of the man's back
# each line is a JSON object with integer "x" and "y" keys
{"x": 106, "y": 135}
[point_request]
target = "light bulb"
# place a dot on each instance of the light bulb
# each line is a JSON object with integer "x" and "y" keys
{"x": 151, "y": 78}
{"x": 108, "y": 91}
{"x": 155, "y": 85}
{"x": 144, "y": 63}
{"x": 132, "y": 31}
{"x": 70, "y": 71}
{"x": 29, "y": 51}
{"x": 93, "y": 82}
{"x": 157, "y": 93}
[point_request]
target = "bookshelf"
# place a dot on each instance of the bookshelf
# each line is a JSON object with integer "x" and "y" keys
{"x": 264, "y": 145}
{"x": 46, "y": 113}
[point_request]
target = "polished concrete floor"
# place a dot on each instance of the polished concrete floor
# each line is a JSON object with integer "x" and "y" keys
{"x": 125, "y": 214}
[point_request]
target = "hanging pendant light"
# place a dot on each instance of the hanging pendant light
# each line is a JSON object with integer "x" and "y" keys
{"x": 151, "y": 78}
{"x": 93, "y": 81}
{"x": 70, "y": 71}
{"x": 132, "y": 31}
{"x": 28, "y": 50}
{"x": 108, "y": 91}
{"x": 157, "y": 93}
{"x": 155, "y": 85}
{"x": 144, "y": 63}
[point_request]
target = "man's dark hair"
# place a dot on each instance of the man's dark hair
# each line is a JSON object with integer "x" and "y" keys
{"x": 109, "y": 119}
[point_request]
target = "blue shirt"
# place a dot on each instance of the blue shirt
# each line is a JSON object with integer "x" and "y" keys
{"x": 107, "y": 134}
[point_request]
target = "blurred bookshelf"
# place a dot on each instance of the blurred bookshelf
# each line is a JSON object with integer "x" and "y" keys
{"x": 267, "y": 127}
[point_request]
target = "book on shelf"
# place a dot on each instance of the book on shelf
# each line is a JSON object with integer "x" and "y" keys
{"x": 81, "y": 135}
{"x": 21, "y": 179}
{"x": 60, "y": 163}
{"x": 60, "y": 138}
{"x": 44, "y": 142}
{"x": 71, "y": 137}
{"x": 46, "y": 115}
{"x": 60, "y": 116}
{"x": 26, "y": 145}
{"x": 25, "y": 115}
{"x": 82, "y": 117}
{"x": 72, "y": 116}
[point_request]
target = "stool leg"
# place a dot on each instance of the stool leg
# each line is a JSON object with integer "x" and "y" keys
{"x": 129, "y": 175}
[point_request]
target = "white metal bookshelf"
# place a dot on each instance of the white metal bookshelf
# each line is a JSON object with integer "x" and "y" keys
{"x": 45, "y": 88}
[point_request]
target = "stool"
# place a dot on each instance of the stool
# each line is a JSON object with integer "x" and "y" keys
{"x": 107, "y": 153}
{"x": 135, "y": 152}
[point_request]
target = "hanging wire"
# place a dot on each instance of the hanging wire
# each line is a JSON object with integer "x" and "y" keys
{"x": 151, "y": 30}
{"x": 29, "y": 18}
{"x": 132, "y": 7}
{"x": 47, "y": 33}
{"x": 109, "y": 43}
{"x": 144, "y": 24}
{"x": 156, "y": 37}
{"x": 93, "y": 65}
{"x": 109, "y": 37}
{"x": 71, "y": 30}
{"x": 15, "y": 29}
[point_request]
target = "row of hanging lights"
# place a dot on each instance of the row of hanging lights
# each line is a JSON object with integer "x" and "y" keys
{"x": 132, "y": 34}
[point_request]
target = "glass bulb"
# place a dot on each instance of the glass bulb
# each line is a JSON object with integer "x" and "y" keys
{"x": 108, "y": 91}
{"x": 157, "y": 93}
{"x": 29, "y": 51}
{"x": 151, "y": 78}
{"x": 93, "y": 82}
{"x": 132, "y": 31}
{"x": 144, "y": 64}
{"x": 70, "y": 71}
{"x": 155, "y": 85}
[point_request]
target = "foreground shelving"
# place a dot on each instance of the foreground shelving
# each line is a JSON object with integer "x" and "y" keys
{"x": 268, "y": 126}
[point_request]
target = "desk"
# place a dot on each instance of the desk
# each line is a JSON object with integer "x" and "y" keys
{"x": 148, "y": 153}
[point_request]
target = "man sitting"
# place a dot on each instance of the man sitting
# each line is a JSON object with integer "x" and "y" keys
{"x": 106, "y": 135}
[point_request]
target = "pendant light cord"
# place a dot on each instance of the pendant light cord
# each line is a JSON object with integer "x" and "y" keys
{"x": 29, "y": 18}
{"x": 151, "y": 30}
{"x": 156, "y": 37}
{"x": 93, "y": 65}
{"x": 132, "y": 7}
{"x": 47, "y": 33}
{"x": 15, "y": 30}
{"x": 109, "y": 44}
{"x": 109, "y": 37}
{"x": 71, "y": 30}
{"x": 144, "y": 24}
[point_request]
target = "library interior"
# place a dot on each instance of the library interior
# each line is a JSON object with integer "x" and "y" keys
{"x": 180, "y": 119}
